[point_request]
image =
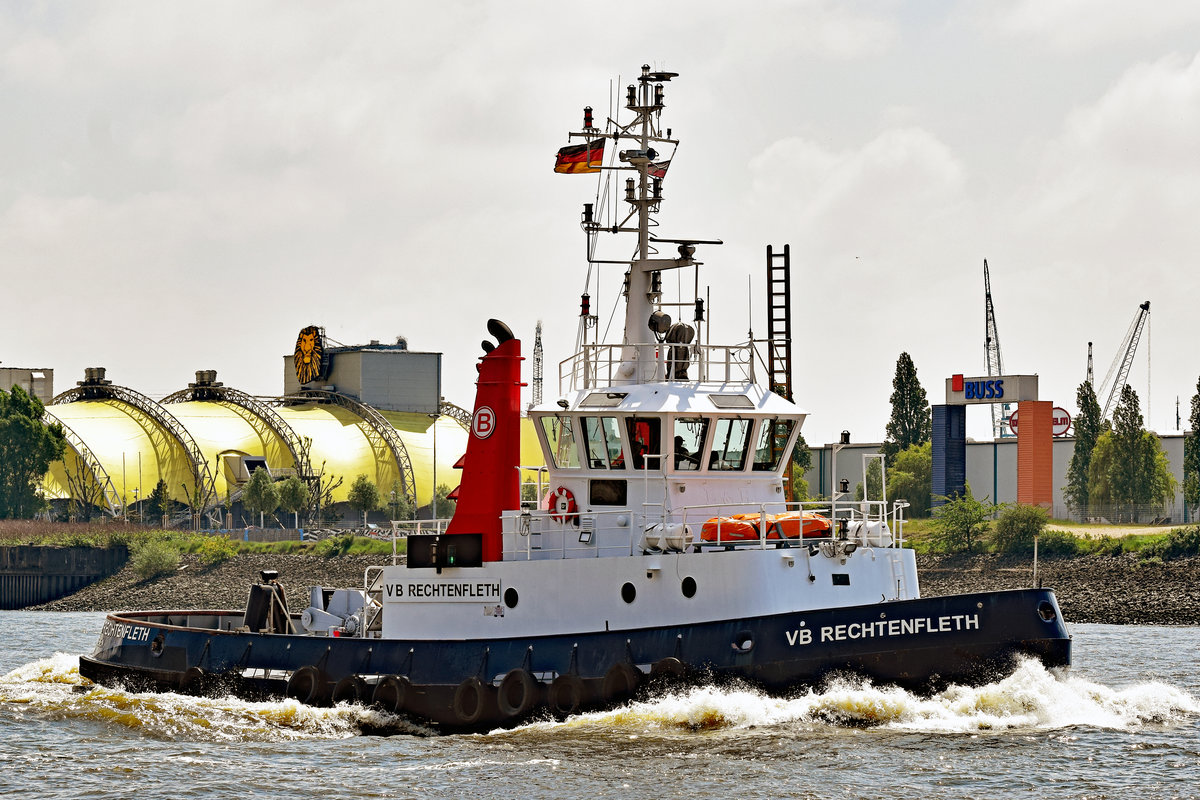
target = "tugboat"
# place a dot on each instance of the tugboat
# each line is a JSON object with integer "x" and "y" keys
{"x": 661, "y": 546}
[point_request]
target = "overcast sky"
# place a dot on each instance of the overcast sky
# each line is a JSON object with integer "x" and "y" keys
{"x": 185, "y": 186}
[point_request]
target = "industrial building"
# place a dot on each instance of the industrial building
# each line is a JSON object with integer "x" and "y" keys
{"x": 372, "y": 409}
{"x": 37, "y": 382}
{"x": 991, "y": 471}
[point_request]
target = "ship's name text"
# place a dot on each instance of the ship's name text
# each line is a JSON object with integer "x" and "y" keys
{"x": 884, "y": 628}
{"x": 119, "y": 630}
{"x": 443, "y": 591}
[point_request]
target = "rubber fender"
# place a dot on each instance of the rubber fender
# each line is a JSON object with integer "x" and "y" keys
{"x": 308, "y": 685}
{"x": 351, "y": 689}
{"x": 566, "y": 694}
{"x": 194, "y": 681}
{"x": 467, "y": 704}
{"x": 518, "y": 692}
{"x": 392, "y": 693}
{"x": 669, "y": 668}
{"x": 620, "y": 682}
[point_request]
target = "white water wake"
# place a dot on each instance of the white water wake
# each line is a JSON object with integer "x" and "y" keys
{"x": 1031, "y": 698}
{"x": 53, "y": 688}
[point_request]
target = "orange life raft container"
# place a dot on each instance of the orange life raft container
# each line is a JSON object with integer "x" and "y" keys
{"x": 796, "y": 524}
{"x": 738, "y": 528}
{"x": 744, "y": 527}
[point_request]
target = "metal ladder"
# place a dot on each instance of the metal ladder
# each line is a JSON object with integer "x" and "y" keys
{"x": 779, "y": 320}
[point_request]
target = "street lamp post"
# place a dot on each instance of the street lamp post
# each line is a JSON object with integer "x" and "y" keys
{"x": 433, "y": 509}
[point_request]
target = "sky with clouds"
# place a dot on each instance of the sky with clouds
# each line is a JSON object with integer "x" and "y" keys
{"x": 184, "y": 186}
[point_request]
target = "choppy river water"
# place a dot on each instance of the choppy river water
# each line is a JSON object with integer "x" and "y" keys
{"x": 1125, "y": 723}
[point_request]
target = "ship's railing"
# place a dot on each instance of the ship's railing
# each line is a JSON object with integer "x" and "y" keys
{"x": 530, "y": 534}
{"x": 596, "y": 365}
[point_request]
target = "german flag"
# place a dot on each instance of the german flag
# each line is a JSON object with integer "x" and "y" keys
{"x": 578, "y": 158}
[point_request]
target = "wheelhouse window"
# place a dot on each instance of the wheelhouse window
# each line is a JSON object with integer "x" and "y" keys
{"x": 644, "y": 442}
{"x": 688, "y": 445}
{"x": 560, "y": 439}
{"x": 772, "y": 444}
{"x": 731, "y": 441}
{"x": 603, "y": 440}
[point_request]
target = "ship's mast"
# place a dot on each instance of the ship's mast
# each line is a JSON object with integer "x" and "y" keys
{"x": 645, "y": 323}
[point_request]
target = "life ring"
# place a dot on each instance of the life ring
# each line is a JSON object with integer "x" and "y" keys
{"x": 391, "y": 693}
{"x": 517, "y": 693}
{"x": 566, "y": 694}
{"x": 308, "y": 685}
{"x": 562, "y": 505}
{"x": 351, "y": 689}
{"x": 620, "y": 682}
{"x": 467, "y": 704}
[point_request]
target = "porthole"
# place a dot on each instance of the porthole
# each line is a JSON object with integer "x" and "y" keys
{"x": 510, "y": 597}
{"x": 689, "y": 587}
{"x": 628, "y": 593}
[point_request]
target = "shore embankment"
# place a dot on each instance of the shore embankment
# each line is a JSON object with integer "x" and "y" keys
{"x": 1105, "y": 589}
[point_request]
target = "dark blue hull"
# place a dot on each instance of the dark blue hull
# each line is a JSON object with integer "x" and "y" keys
{"x": 468, "y": 685}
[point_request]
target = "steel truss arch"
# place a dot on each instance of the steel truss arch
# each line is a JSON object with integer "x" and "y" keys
{"x": 164, "y": 420}
{"x": 112, "y": 499}
{"x": 266, "y": 416}
{"x": 457, "y": 413}
{"x": 378, "y": 430}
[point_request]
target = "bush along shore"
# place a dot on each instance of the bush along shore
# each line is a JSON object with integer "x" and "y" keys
{"x": 1121, "y": 589}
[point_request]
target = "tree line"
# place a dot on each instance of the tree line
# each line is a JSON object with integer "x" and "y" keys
{"x": 1119, "y": 468}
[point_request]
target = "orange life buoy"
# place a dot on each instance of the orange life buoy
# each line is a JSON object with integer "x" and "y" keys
{"x": 562, "y": 505}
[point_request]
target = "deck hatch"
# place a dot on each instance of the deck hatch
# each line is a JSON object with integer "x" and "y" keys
{"x": 603, "y": 400}
{"x": 731, "y": 401}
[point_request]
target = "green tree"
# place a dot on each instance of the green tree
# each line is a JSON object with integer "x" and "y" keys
{"x": 364, "y": 496}
{"x": 1191, "y": 454}
{"x": 912, "y": 421}
{"x": 801, "y": 464}
{"x": 1017, "y": 527}
{"x": 874, "y": 490}
{"x": 1100, "y": 490}
{"x": 443, "y": 505}
{"x": 159, "y": 500}
{"x": 293, "y": 497}
{"x": 1162, "y": 481}
{"x": 959, "y": 522}
{"x": 260, "y": 494}
{"x": 1130, "y": 478}
{"x": 911, "y": 479}
{"x": 153, "y": 559}
{"x": 1088, "y": 425}
{"x": 321, "y": 506}
{"x": 1128, "y": 468}
{"x": 27, "y": 446}
{"x": 398, "y": 503}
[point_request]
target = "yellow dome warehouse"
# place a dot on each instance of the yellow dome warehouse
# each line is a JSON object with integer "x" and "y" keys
{"x": 373, "y": 410}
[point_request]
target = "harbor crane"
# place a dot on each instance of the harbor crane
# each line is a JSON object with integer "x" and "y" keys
{"x": 1124, "y": 359}
{"x": 995, "y": 364}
